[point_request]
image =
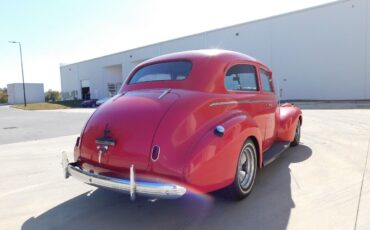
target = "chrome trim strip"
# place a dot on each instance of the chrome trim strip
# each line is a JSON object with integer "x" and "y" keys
{"x": 240, "y": 102}
{"x": 147, "y": 189}
{"x": 164, "y": 93}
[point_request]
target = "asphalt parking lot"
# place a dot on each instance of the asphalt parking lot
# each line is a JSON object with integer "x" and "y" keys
{"x": 18, "y": 125}
{"x": 322, "y": 184}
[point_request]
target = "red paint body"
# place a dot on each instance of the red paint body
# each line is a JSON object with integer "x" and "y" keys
{"x": 182, "y": 123}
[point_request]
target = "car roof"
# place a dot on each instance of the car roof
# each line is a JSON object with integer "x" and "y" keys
{"x": 208, "y": 69}
{"x": 203, "y": 53}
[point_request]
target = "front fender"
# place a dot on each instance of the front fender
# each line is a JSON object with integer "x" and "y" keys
{"x": 213, "y": 160}
{"x": 288, "y": 118}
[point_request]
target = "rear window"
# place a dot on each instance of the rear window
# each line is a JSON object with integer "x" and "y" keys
{"x": 166, "y": 71}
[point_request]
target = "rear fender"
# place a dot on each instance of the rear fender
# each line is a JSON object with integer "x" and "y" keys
{"x": 288, "y": 118}
{"x": 214, "y": 158}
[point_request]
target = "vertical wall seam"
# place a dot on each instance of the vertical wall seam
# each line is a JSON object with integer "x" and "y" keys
{"x": 367, "y": 45}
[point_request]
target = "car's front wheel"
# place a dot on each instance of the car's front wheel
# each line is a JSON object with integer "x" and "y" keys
{"x": 297, "y": 135}
{"x": 245, "y": 173}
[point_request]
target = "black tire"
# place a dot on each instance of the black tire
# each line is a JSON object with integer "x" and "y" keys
{"x": 297, "y": 135}
{"x": 243, "y": 184}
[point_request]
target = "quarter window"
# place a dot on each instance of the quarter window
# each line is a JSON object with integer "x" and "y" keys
{"x": 241, "y": 77}
{"x": 266, "y": 81}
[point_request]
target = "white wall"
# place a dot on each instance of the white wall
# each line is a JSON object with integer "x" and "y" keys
{"x": 318, "y": 53}
{"x": 34, "y": 93}
{"x": 70, "y": 81}
{"x": 321, "y": 53}
{"x": 252, "y": 39}
{"x": 187, "y": 43}
{"x": 94, "y": 70}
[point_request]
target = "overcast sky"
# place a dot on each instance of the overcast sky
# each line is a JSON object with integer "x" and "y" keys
{"x": 54, "y": 32}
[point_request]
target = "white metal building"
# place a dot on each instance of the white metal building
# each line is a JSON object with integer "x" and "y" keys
{"x": 34, "y": 93}
{"x": 320, "y": 53}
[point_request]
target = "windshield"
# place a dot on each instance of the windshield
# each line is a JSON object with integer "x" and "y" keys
{"x": 166, "y": 71}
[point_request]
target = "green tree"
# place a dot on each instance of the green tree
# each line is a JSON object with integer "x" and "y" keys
{"x": 3, "y": 95}
{"x": 52, "y": 95}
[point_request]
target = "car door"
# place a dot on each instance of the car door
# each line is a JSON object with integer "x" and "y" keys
{"x": 270, "y": 107}
{"x": 242, "y": 83}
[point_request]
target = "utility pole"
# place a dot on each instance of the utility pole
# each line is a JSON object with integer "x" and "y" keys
{"x": 24, "y": 87}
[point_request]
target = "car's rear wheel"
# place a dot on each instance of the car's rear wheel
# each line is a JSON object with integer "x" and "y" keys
{"x": 297, "y": 135}
{"x": 245, "y": 173}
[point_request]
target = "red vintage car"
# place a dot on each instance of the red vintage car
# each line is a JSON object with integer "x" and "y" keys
{"x": 190, "y": 121}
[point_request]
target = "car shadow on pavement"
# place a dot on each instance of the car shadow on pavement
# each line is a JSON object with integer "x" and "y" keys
{"x": 268, "y": 206}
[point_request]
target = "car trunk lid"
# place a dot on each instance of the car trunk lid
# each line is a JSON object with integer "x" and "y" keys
{"x": 121, "y": 131}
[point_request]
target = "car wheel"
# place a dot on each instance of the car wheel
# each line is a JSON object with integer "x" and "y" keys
{"x": 297, "y": 135}
{"x": 245, "y": 173}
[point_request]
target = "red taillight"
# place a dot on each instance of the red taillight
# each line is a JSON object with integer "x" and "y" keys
{"x": 155, "y": 152}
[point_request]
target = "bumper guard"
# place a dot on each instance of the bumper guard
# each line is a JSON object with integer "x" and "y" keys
{"x": 132, "y": 187}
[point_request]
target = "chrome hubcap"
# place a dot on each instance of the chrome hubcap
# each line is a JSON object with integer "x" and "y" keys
{"x": 246, "y": 167}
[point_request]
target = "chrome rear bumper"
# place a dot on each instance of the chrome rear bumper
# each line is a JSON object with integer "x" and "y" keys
{"x": 132, "y": 187}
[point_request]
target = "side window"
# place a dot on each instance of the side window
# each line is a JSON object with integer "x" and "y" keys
{"x": 241, "y": 77}
{"x": 266, "y": 81}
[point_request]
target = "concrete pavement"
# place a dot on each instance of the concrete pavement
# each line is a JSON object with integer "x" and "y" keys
{"x": 18, "y": 125}
{"x": 316, "y": 185}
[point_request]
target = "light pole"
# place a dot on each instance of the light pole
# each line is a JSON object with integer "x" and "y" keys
{"x": 24, "y": 88}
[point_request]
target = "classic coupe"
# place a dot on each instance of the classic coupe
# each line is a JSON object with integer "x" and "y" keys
{"x": 201, "y": 120}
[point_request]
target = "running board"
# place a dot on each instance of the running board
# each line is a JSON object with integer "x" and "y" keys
{"x": 274, "y": 152}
